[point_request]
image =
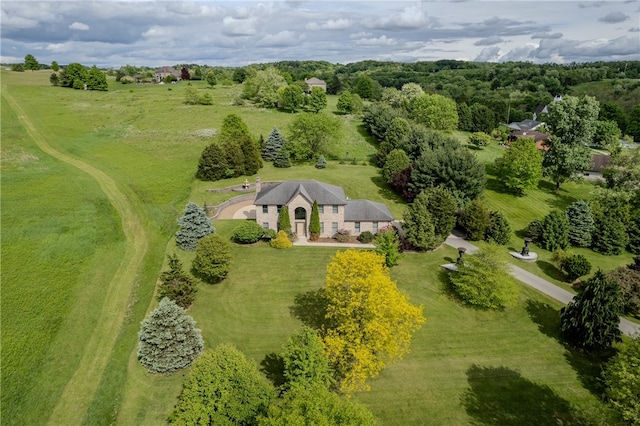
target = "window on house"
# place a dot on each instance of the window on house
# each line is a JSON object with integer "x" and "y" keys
{"x": 375, "y": 226}
{"x": 322, "y": 227}
{"x": 265, "y": 225}
{"x": 335, "y": 209}
{"x": 334, "y": 227}
{"x": 279, "y": 207}
{"x": 357, "y": 226}
{"x": 320, "y": 209}
{"x": 265, "y": 209}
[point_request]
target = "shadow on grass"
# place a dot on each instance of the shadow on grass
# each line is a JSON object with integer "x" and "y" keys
{"x": 501, "y": 396}
{"x": 310, "y": 308}
{"x": 546, "y": 317}
{"x": 385, "y": 190}
{"x": 273, "y": 367}
{"x": 551, "y": 271}
{"x": 561, "y": 199}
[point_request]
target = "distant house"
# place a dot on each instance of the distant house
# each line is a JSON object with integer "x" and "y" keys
{"x": 540, "y": 109}
{"x": 539, "y": 137}
{"x": 599, "y": 161}
{"x": 525, "y": 125}
{"x": 163, "y": 72}
{"x": 315, "y": 82}
{"x": 335, "y": 209}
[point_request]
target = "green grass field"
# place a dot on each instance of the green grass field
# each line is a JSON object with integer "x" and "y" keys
{"x": 64, "y": 240}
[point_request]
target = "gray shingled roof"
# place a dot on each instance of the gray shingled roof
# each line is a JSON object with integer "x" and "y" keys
{"x": 312, "y": 190}
{"x": 365, "y": 210}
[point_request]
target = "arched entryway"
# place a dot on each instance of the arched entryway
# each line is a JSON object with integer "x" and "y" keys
{"x": 300, "y": 218}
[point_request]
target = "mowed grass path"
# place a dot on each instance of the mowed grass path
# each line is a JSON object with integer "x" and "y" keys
{"x": 79, "y": 391}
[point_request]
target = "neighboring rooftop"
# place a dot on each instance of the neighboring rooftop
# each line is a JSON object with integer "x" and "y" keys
{"x": 525, "y": 125}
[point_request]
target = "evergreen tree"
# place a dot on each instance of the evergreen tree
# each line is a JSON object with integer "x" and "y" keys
{"x": 611, "y": 211}
{"x": 252, "y": 162}
{"x": 321, "y": 163}
{"x": 576, "y": 266}
{"x": 499, "y": 231}
{"x": 213, "y": 259}
{"x": 176, "y": 285}
{"x": 396, "y": 161}
{"x": 272, "y": 146}
{"x": 633, "y": 231}
{"x": 234, "y": 157}
{"x": 305, "y": 363}
{"x": 475, "y": 220}
{"x": 465, "y": 120}
{"x": 314, "y": 222}
{"x": 388, "y": 245}
{"x": 282, "y": 159}
{"x": 194, "y": 225}
{"x": 284, "y": 221}
{"x": 418, "y": 224}
{"x": 53, "y": 79}
{"x": 168, "y": 339}
{"x": 212, "y": 164}
{"x": 621, "y": 376}
{"x": 591, "y": 320}
{"x": 31, "y": 63}
{"x": 555, "y": 231}
{"x": 442, "y": 207}
{"x": 581, "y": 223}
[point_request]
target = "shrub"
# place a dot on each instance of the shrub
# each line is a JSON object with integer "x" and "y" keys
{"x": 499, "y": 231}
{"x": 629, "y": 280}
{"x": 475, "y": 220}
{"x": 269, "y": 234}
{"x": 479, "y": 139}
{"x": 343, "y": 235}
{"x": 321, "y": 163}
{"x": 555, "y": 231}
{"x": 248, "y": 232}
{"x": 281, "y": 241}
{"x": 388, "y": 245}
{"x": 534, "y": 230}
{"x": 576, "y": 266}
{"x": 213, "y": 259}
{"x": 365, "y": 237}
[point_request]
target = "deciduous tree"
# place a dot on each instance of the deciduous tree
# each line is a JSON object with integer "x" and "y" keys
{"x": 371, "y": 322}
{"x": 194, "y": 225}
{"x": 483, "y": 280}
{"x": 479, "y": 139}
{"x": 96, "y": 79}
{"x": 313, "y": 134}
{"x": 223, "y": 388}
{"x": 262, "y": 87}
{"x": 520, "y": 168}
{"x": 305, "y": 363}
{"x": 563, "y": 161}
{"x": 435, "y": 111}
{"x": 591, "y": 320}
{"x": 213, "y": 259}
{"x": 621, "y": 377}
{"x": 168, "y": 339}
{"x": 387, "y": 244}
{"x": 291, "y": 97}
{"x": 317, "y": 99}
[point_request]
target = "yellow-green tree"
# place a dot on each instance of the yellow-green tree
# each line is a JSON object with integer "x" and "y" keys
{"x": 370, "y": 322}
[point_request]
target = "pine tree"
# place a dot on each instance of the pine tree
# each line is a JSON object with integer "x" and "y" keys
{"x": 555, "y": 231}
{"x": 176, "y": 285}
{"x": 194, "y": 225}
{"x": 581, "y": 223}
{"x": 284, "y": 221}
{"x": 418, "y": 225}
{"x": 314, "y": 222}
{"x": 282, "y": 159}
{"x": 252, "y": 162}
{"x": 212, "y": 164}
{"x": 321, "y": 163}
{"x": 475, "y": 220}
{"x": 499, "y": 231}
{"x": 168, "y": 339}
{"x": 272, "y": 146}
{"x": 591, "y": 320}
{"x": 442, "y": 208}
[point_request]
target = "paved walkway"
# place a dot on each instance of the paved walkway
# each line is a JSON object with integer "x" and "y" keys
{"x": 302, "y": 241}
{"x": 627, "y": 327}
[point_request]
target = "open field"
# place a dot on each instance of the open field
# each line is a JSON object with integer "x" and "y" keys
{"x": 64, "y": 239}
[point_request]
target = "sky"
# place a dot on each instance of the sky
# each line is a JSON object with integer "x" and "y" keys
{"x": 236, "y": 33}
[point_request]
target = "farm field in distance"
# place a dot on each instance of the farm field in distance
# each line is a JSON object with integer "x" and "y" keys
{"x": 63, "y": 242}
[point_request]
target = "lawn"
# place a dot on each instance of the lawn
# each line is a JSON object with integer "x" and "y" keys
{"x": 63, "y": 241}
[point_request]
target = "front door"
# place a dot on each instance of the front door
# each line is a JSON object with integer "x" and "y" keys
{"x": 300, "y": 228}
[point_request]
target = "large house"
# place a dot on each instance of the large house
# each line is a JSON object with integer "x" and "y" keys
{"x": 335, "y": 209}
{"x": 315, "y": 82}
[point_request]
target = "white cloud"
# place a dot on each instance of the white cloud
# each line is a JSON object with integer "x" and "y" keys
{"x": 283, "y": 38}
{"x": 488, "y": 54}
{"x": 380, "y": 41}
{"x": 409, "y": 17}
{"x": 79, "y": 26}
{"x": 331, "y": 24}
{"x": 239, "y": 27}
{"x": 546, "y": 35}
{"x": 361, "y": 34}
{"x": 489, "y": 41}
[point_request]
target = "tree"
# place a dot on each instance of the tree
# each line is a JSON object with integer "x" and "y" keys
{"x": 555, "y": 231}
{"x": 222, "y": 388}
{"x": 211, "y": 79}
{"x": 396, "y": 161}
{"x": 96, "y": 79}
{"x": 282, "y": 159}
{"x": 564, "y": 162}
{"x": 520, "y": 168}
{"x": 370, "y": 322}
{"x": 475, "y": 220}
{"x": 611, "y": 212}
{"x": 275, "y": 141}
{"x": 465, "y": 120}
{"x": 314, "y": 222}
{"x": 321, "y": 163}
{"x": 576, "y": 266}
{"x": 628, "y": 278}
{"x": 304, "y": 360}
{"x": 313, "y": 134}
{"x": 499, "y": 230}
{"x": 316, "y": 405}
{"x": 284, "y": 220}
{"x": 388, "y": 245}
{"x": 435, "y": 111}
{"x": 248, "y": 232}
{"x": 191, "y": 96}
{"x": 54, "y": 66}
{"x": 213, "y": 259}
{"x": 621, "y": 375}
{"x": 581, "y": 223}
{"x": 442, "y": 208}
{"x": 176, "y": 285}
{"x": 573, "y": 119}
{"x": 262, "y": 87}
{"x": 345, "y": 103}
{"x": 291, "y": 97}
{"x": 194, "y": 225}
{"x": 168, "y": 339}
{"x": 479, "y": 139}
{"x": 623, "y": 172}
{"x": 591, "y": 320}
{"x": 317, "y": 99}
{"x": 418, "y": 224}
{"x": 73, "y": 73}
{"x": 54, "y": 79}
{"x": 251, "y": 155}
{"x": 633, "y": 129}
{"x": 607, "y": 134}
{"x": 184, "y": 74}
{"x": 364, "y": 87}
{"x": 31, "y": 63}
{"x": 483, "y": 119}
{"x": 483, "y": 280}
{"x": 213, "y": 163}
